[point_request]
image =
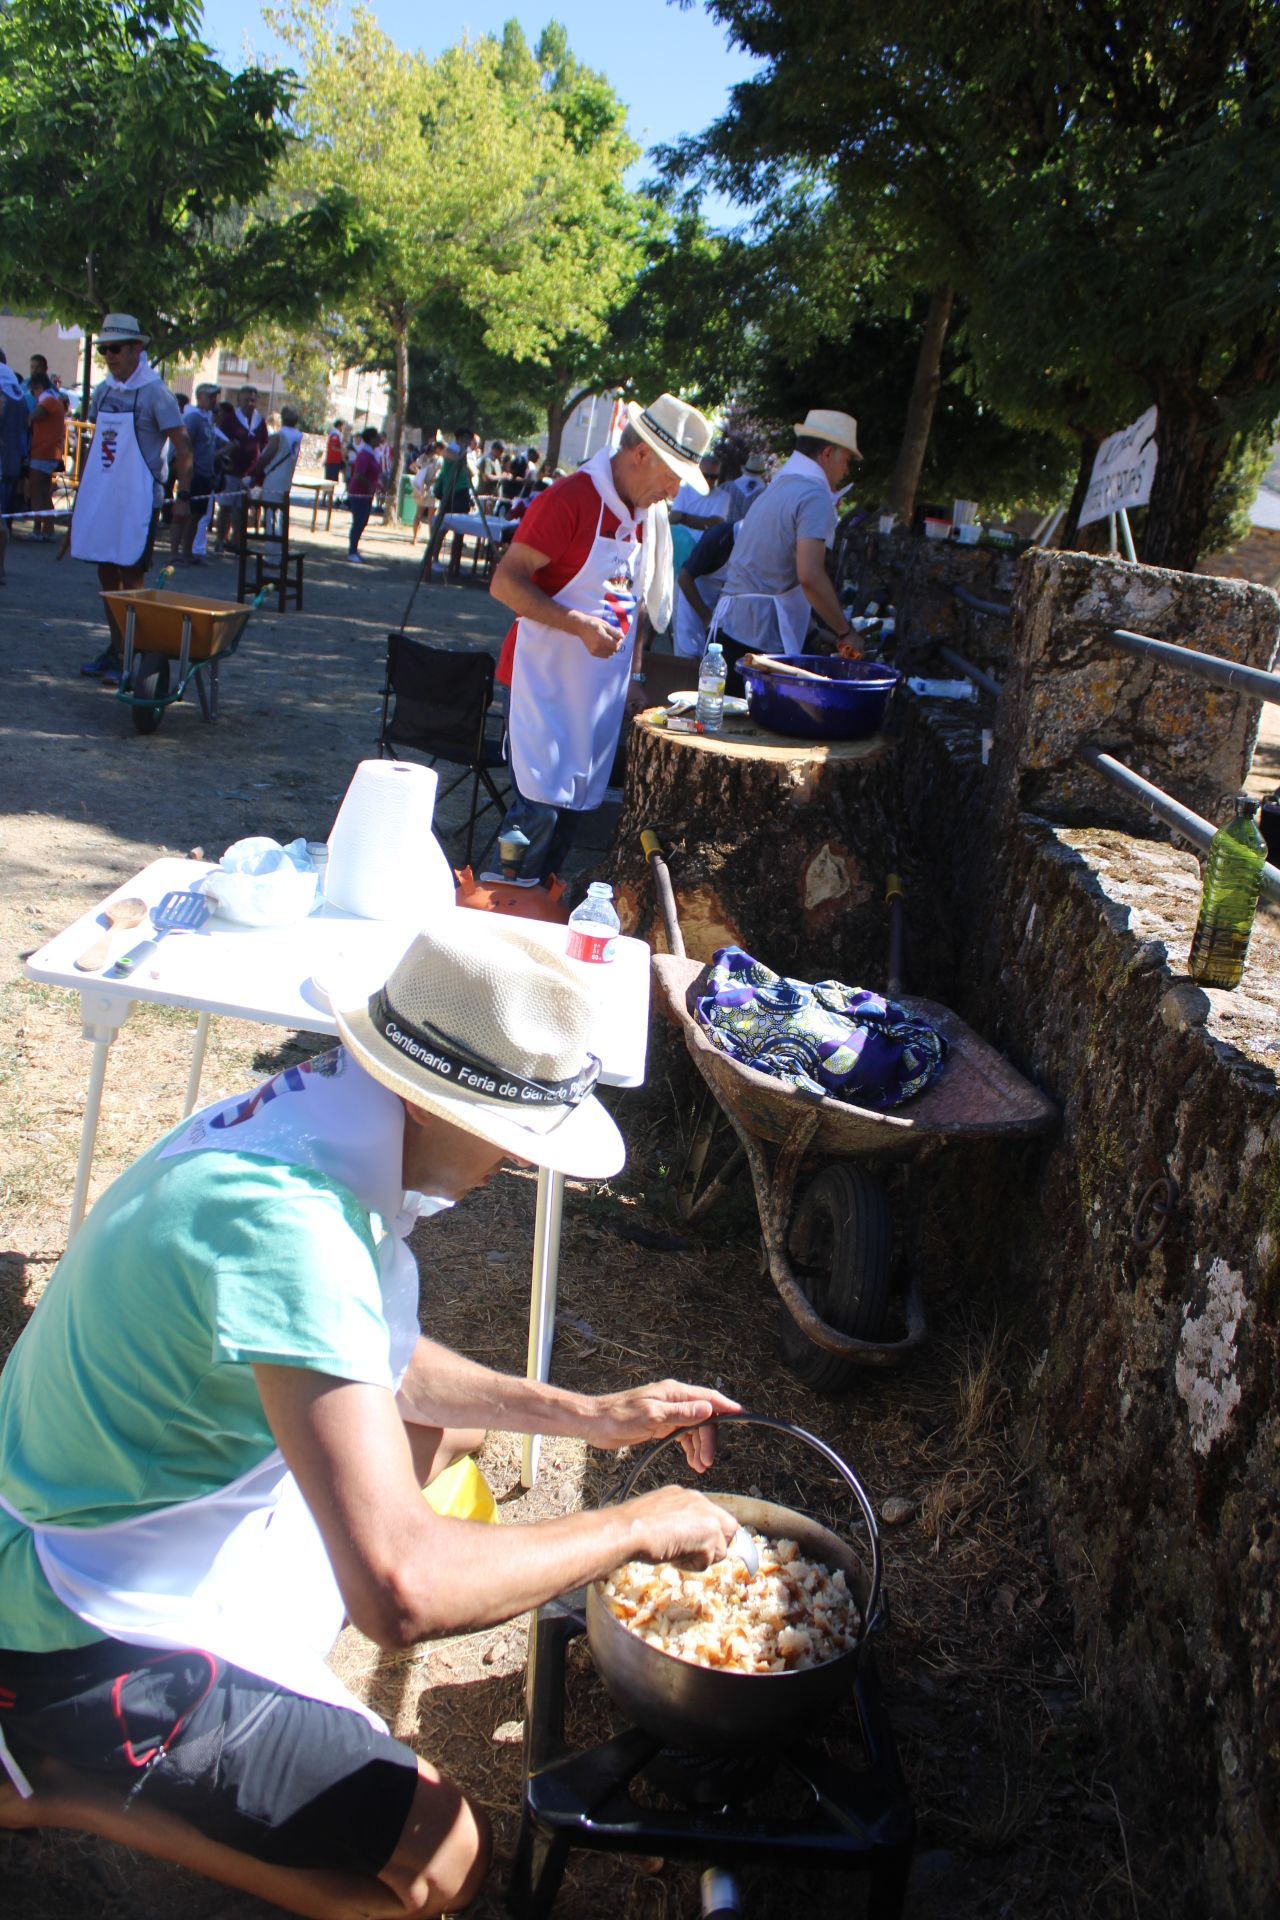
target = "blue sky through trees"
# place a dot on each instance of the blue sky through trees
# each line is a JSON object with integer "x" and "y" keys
{"x": 673, "y": 67}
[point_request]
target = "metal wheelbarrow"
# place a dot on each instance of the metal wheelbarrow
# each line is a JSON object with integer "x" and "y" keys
{"x": 195, "y": 633}
{"x": 831, "y": 1255}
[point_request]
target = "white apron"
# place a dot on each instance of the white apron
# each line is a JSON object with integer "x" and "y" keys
{"x": 567, "y": 706}
{"x": 115, "y": 499}
{"x": 793, "y": 617}
{"x": 278, "y": 477}
{"x": 242, "y": 1572}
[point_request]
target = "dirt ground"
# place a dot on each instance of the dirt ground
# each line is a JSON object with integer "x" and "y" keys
{"x": 1019, "y": 1812}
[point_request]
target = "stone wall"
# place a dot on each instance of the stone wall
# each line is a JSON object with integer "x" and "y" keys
{"x": 1068, "y": 687}
{"x": 1149, "y": 1403}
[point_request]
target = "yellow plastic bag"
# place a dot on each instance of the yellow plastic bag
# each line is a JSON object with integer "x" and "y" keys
{"x": 461, "y": 1492}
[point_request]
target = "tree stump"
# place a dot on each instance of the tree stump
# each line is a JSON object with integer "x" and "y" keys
{"x": 780, "y": 846}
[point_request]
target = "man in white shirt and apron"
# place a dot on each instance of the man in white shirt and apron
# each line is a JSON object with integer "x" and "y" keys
{"x": 272, "y": 478}
{"x": 118, "y": 500}
{"x": 216, "y": 1427}
{"x": 777, "y": 576}
{"x": 589, "y": 552}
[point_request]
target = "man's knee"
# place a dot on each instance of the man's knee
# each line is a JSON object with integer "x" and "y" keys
{"x": 445, "y": 1851}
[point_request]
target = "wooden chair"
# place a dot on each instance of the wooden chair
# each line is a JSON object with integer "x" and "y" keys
{"x": 264, "y": 557}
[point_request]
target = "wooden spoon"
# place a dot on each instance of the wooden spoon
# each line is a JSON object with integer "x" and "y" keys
{"x": 782, "y": 669}
{"x": 120, "y": 915}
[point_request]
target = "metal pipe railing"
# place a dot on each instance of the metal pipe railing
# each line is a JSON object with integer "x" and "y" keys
{"x": 997, "y": 608}
{"x": 1206, "y": 666}
{"x": 978, "y": 675}
{"x": 1192, "y": 826}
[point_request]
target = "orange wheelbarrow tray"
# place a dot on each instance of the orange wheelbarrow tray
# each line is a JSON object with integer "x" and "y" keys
{"x": 159, "y": 628}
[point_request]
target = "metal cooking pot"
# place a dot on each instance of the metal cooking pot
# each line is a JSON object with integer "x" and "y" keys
{"x": 710, "y": 1710}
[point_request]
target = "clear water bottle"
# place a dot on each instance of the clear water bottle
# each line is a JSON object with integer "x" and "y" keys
{"x": 594, "y": 926}
{"x": 1229, "y": 900}
{"x": 711, "y": 676}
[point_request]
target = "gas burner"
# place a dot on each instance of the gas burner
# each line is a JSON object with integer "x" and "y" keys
{"x": 708, "y": 1779}
{"x": 850, "y": 1819}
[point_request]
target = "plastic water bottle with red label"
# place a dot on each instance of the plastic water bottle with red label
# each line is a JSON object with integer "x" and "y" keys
{"x": 594, "y": 926}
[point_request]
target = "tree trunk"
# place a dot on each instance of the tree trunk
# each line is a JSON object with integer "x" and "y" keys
{"x": 401, "y": 329}
{"x": 1093, "y": 538}
{"x": 555, "y": 433}
{"x": 924, "y": 398}
{"x": 1191, "y": 449}
{"x": 780, "y": 846}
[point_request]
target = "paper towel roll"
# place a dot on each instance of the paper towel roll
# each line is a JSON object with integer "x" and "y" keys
{"x": 384, "y": 861}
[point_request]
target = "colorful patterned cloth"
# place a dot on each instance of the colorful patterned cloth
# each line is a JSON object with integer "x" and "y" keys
{"x": 824, "y": 1039}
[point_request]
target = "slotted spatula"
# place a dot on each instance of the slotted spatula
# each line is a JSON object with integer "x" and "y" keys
{"x": 176, "y": 913}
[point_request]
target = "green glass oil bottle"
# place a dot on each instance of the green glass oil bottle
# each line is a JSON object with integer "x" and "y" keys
{"x": 1229, "y": 900}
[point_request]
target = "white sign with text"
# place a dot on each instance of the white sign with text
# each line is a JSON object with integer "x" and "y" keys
{"x": 1123, "y": 471}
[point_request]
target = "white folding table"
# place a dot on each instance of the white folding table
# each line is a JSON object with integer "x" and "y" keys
{"x": 272, "y": 975}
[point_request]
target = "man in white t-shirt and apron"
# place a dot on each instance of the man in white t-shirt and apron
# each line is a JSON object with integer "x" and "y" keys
{"x": 118, "y": 500}
{"x": 777, "y": 577}
{"x": 587, "y": 555}
{"x": 217, "y": 1425}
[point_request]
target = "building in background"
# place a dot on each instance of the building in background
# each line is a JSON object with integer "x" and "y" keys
{"x": 593, "y": 423}
{"x": 23, "y": 334}
{"x": 361, "y": 399}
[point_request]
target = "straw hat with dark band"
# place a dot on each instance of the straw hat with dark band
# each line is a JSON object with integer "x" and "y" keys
{"x": 117, "y": 328}
{"x": 677, "y": 433}
{"x": 489, "y": 1030}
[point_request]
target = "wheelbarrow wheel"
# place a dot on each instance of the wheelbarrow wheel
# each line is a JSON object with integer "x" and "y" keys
{"x": 841, "y": 1244}
{"x": 150, "y": 682}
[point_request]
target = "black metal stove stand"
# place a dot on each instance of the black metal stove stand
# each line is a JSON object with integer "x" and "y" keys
{"x": 855, "y": 1821}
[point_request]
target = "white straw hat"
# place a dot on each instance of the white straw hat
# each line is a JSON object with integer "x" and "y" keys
{"x": 756, "y": 463}
{"x": 486, "y": 1028}
{"x": 117, "y": 327}
{"x": 677, "y": 433}
{"x": 823, "y": 423}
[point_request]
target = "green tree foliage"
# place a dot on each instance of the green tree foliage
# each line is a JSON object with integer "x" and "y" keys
{"x": 683, "y": 327}
{"x": 135, "y": 174}
{"x": 1096, "y": 186}
{"x": 491, "y": 176}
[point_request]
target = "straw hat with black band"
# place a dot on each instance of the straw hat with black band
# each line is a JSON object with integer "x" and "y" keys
{"x": 119, "y": 327}
{"x": 677, "y": 433}
{"x": 489, "y": 1030}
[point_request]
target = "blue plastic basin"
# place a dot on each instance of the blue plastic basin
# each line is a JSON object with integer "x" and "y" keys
{"x": 851, "y": 707}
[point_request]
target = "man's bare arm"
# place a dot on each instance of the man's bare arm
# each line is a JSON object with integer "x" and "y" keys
{"x": 180, "y": 441}
{"x": 512, "y": 584}
{"x": 698, "y": 521}
{"x": 811, "y": 572}
{"x": 443, "y": 1389}
{"x": 405, "y": 1572}
{"x": 689, "y": 588}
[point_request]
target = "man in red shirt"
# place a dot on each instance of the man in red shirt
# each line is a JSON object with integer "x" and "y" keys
{"x": 585, "y": 557}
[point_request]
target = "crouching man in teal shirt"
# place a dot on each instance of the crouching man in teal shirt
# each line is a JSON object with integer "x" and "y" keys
{"x": 215, "y": 1430}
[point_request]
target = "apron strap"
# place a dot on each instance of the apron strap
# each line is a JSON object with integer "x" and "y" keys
{"x": 14, "y": 1771}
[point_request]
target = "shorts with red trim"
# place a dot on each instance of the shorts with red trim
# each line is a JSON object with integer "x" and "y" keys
{"x": 291, "y": 1781}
